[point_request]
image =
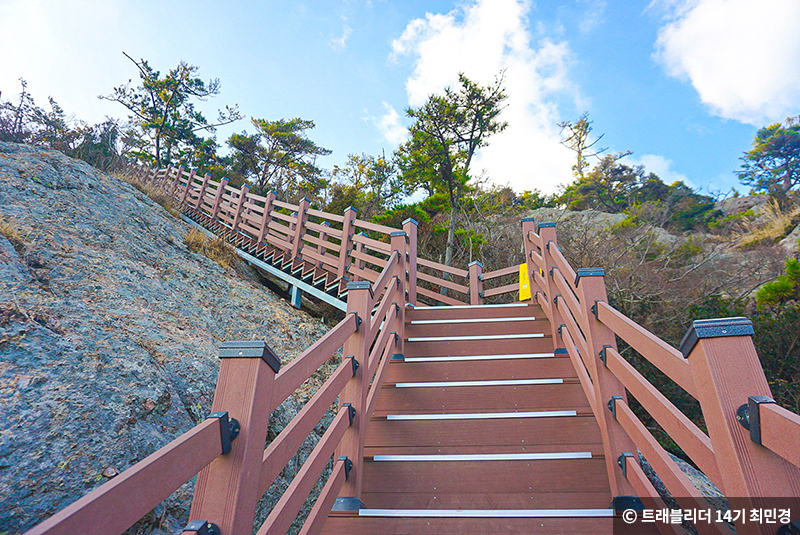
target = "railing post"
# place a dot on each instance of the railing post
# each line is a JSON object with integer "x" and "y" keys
{"x": 348, "y": 228}
{"x": 528, "y": 226}
{"x": 400, "y": 244}
{"x": 547, "y": 231}
{"x": 726, "y": 371}
{"x": 160, "y": 183}
{"x": 590, "y": 285}
{"x": 410, "y": 226}
{"x": 218, "y": 198}
{"x": 475, "y": 283}
{"x": 227, "y": 490}
{"x": 300, "y": 229}
{"x": 265, "y": 221}
{"x": 175, "y": 182}
{"x": 187, "y": 189}
{"x": 239, "y": 208}
{"x": 355, "y": 394}
{"x": 202, "y": 195}
{"x": 322, "y": 250}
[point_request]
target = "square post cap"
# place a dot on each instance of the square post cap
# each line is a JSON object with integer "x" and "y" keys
{"x": 714, "y": 328}
{"x": 250, "y": 349}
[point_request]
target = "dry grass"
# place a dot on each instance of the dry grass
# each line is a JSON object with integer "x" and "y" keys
{"x": 156, "y": 194}
{"x": 216, "y": 249}
{"x": 10, "y": 232}
{"x": 771, "y": 225}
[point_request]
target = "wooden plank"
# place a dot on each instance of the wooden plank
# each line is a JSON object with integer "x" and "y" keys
{"x": 536, "y": 499}
{"x": 489, "y": 275}
{"x": 437, "y": 296}
{"x": 441, "y": 267}
{"x": 441, "y": 282}
{"x": 558, "y": 368}
{"x": 595, "y": 448}
{"x": 480, "y": 399}
{"x": 286, "y": 205}
{"x": 374, "y": 227}
{"x": 508, "y": 288}
{"x": 479, "y": 347}
{"x": 375, "y": 245}
{"x": 780, "y": 431}
{"x": 662, "y": 355}
{"x": 283, "y": 217}
{"x": 318, "y": 515}
{"x": 137, "y": 490}
{"x": 478, "y": 328}
{"x": 326, "y": 215}
{"x": 342, "y": 525}
{"x": 512, "y": 431}
{"x": 487, "y": 476}
{"x": 428, "y": 313}
{"x": 365, "y": 274}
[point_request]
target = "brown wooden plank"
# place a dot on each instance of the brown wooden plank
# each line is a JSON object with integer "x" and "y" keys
{"x": 394, "y": 400}
{"x": 478, "y": 328}
{"x": 512, "y": 431}
{"x": 434, "y": 313}
{"x": 439, "y": 298}
{"x": 349, "y": 525}
{"x": 479, "y": 347}
{"x": 560, "y": 475}
{"x": 484, "y": 500}
{"x": 485, "y": 370}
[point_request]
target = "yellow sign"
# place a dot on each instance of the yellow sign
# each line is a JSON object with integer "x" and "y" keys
{"x": 524, "y": 283}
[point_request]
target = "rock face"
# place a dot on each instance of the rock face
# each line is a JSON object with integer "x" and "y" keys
{"x": 108, "y": 333}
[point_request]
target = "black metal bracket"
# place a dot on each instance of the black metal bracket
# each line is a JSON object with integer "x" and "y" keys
{"x": 358, "y": 319}
{"x": 748, "y": 416}
{"x": 555, "y": 300}
{"x": 562, "y": 326}
{"x": 623, "y": 503}
{"x": 203, "y": 527}
{"x": 396, "y": 337}
{"x": 351, "y": 411}
{"x": 612, "y": 405}
{"x": 714, "y": 328}
{"x": 354, "y": 362}
{"x": 792, "y": 528}
{"x": 588, "y": 272}
{"x": 348, "y": 465}
{"x": 623, "y": 463}
{"x": 603, "y": 355}
{"x": 594, "y": 308}
{"x": 228, "y": 429}
{"x": 250, "y": 349}
{"x": 551, "y": 272}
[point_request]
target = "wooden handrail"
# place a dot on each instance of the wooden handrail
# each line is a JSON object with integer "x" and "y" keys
{"x": 510, "y": 270}
{"x": 780, "y": 431}
{"x": 319, "y": 513}
{"x": 659, "y": 353}
{"x": 441, "y": 282}
{"x": 458, "y": 272}
{"x": 137, "y": 490}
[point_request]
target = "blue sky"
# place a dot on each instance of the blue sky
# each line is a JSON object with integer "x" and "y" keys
{"x": 684, "y": 84}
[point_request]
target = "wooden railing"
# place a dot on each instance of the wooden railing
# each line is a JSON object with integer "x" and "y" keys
{"x": 234, "y": 474}
{"x": 337, "y": 248}
{"x": 716, "y": 364}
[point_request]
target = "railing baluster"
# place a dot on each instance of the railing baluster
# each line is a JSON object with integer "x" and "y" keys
{"x": 410, "y": 227}
{"x": 347, "y": 241}
{"x": 218, "y": 198}
{"x": 400, "y": 245}
{"x": 476, "y": 283}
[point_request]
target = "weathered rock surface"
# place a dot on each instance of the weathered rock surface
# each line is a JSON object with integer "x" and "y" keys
{"x": 108, "y": 333}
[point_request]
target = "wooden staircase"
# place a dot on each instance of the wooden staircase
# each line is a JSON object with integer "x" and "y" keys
{"x": 480, "y": 428}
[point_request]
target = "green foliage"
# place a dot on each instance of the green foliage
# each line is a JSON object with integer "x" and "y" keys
{"x": 772, "y": 165}
{"x": 782, "y": 290}
{"x": 163, "y": 112}
{"x": 577, "y": 138}
{"x": 370, "y": 184}
{"x": 279, "y": 157}
{"x": 446, "y": 132}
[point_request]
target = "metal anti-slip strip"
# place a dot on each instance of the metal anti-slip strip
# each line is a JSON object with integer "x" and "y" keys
{"x": 452, "y": 307}
{"x": 502, "y": 382}
{"x": 471, "y": 320}
{"x": 480, "y": 357}
{"x": 482, "y": 337}
{"x": 489, "y": 513}
{"x": 487, "y": 457}
{"x": 481, "y": 415}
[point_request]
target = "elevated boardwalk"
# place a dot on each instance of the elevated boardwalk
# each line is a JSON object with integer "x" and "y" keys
{"x": 462, "y": 417}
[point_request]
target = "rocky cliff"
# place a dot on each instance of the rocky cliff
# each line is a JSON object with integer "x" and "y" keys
{"x": 108, "y": 333}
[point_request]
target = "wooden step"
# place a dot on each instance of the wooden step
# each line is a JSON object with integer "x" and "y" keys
{"x": 467, "y": 347}
{"x": 351, "y": 524}
{"x": 471, "y": 312}
{"x": 523, "y": 325}
{"x": 450, "y": 435}
{"x": 470, "y": 370}
{"x": 481, "y": 399}
{"x": 502, "y": 500}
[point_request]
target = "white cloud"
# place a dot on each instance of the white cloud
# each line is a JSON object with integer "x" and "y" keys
{"x": 481, "y": 40}
{"x": 389, "y": 125}
{"x": 741, "y": 56}
{"x": 594, "y": 16}
{"x": 339, "y": 43}
{"x": 655, "y": 163}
